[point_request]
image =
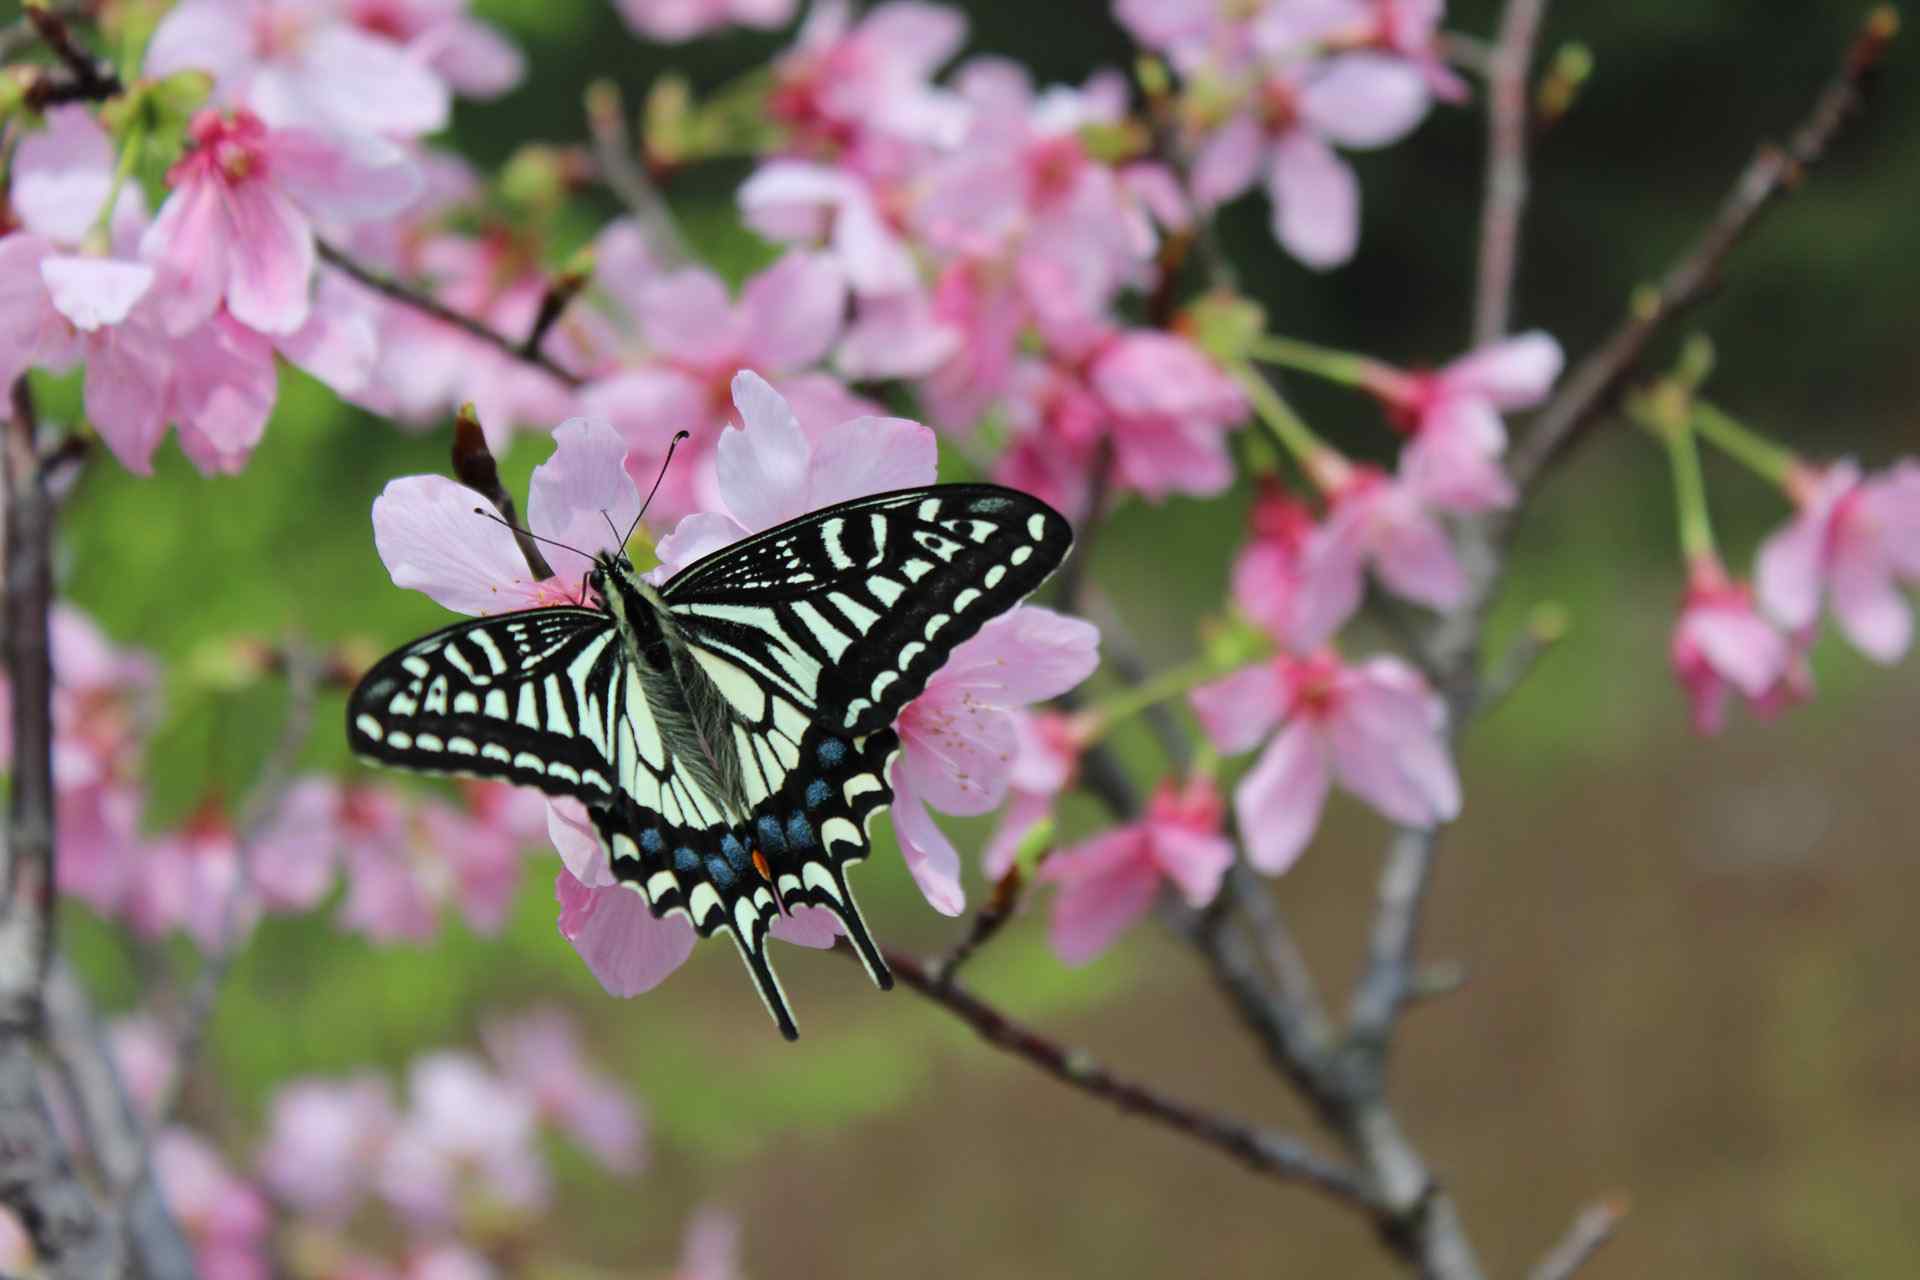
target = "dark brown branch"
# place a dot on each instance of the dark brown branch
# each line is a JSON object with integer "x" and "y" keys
{"x": 405, "y": 294}
{"x": 1506, "y": 193}
{"x": 91, "y": 80}
{"x": 1265, "y": 1153}
{"x": 474, "y": 467}
{"x": 1000, "y": 907}
{"x": 1773, "y": 172}
{"x": 37, "y": 1181}
{"x": 1591, "y": 1230}
{"x": 559, "y": 295}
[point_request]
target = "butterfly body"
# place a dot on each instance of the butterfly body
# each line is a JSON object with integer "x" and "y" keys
{"x": 729, "y": 732}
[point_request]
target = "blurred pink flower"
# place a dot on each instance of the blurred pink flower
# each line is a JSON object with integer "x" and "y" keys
{"x": 847, "y": 87}
{"x": 711, "y": 1250}
{"x": 1171, "y": 409}
{"x": 1376, "y": 521}
{"x": 1046, "y": 758}
{"x": 1376, "y": 728}
{"x": 294, "y": 62}
{"x": 471, "y": 56}
{"x": 1287, "y": 132}
{"x": 237, "y": 225}
{"x": 959, "y": 739}
{"x": 1107, "y": 884}
{"x": 1268, "y": 571}
{"x": 1453, "y": 416}
{"x": 671, "y": 21}
{"x": 539, "y": 1052}
{"x": 224, "y": 1218}
{"x": 191, "y": 879}
{"x": 798, "y": 202}
{"x": 145, "y": 1056}
{"x": 326, "y": 1140}
{"x": 1407, "y": 28}
{"x": 1853, "y": 543}
{"x": 468, "y": 1143}
{"x": 787, "y": 319}
{"x": 1722, "y": 644}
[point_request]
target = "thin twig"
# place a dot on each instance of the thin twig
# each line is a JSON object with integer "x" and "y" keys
{"x": 561, "y": 290}
{"x": 613, "y": 153}
{"x": 474, "y": 467}
{"x": 1506, "y": 191}
{"x": 1591, "y": 1230}
{"x": 405, "y": 294}
{"x": 92, "y": 81}
{"x": 1272, "y": 1155}
{"x": 1773, "y": 172}
{"x": 1000, "y": 907}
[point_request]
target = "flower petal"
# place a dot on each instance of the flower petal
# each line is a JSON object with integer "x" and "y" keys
{"x": 1365, "y": 100}
{"x": 1194, "y": 860}
{"x": 348, "y": 176}
{"x": 1239, "y": 710}
{"x": 581, "y": 494}
{"x": 1106, "y": 886}
{"x": 793, "y": 311}
{"x": 930, "y": 856}
{"x": 62, "y": 174}
{"x": 1228, "y": 162}
{"x": 615, "y": 933}
{"x": 807, "y": 927}
{"x": 431, "y": 540}
{"x": 1278, "y": 803}
{"x": 763, "y": 469}
{"x": 1316, "y": 201}
{"x": 92, "y": 292}
{"x": 871, "y": 455}
{"x": 270, "y": 259}
{"x": 1514, "y": 373}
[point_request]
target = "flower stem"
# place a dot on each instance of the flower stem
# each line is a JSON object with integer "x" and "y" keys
{"x": 129, "y": 157}
{"x": 1172, "y": 683}
{"x": 1689, "y": 489}
{"x": 1771, "y": 461}
{"x": 1343, "y": 367}
{"x": 1309, "y": 450}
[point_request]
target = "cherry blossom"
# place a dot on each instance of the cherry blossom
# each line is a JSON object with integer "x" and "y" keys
{"x": 1854, "y": 541}
{"x": 237, "y": 226}
{"x": 1268, "y": 571}
{"x": 1376, "y": 728}
{"x": 471, "y": 56}
{"x": 225, "y": 1218}
{"x": 466, "y": 1135}
{"x": 539, "y": 1052}
{"x": 323, "y": 1136}
{"x": 1107, "y": 884}
{"x": 1721, "y": 645}
{"x": 1453, "y": 416}
{"x": 191, "y": 879}
{"x": 711, "y": 1250}
{"x": 848, "y": 88}
{"x": 671, "y": 21}
{"x": 1046, "y": 759}
{"x": 299, "y": 63}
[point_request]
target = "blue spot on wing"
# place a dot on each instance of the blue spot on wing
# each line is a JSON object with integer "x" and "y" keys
{"x": 685, "y": 859}
{"x": 719, "y": 872}
{"x": 817, "y": 793}
{"x": 831, "y": 752}
{"x": 799, "y": 831}
{"x": 772, "y": 838}
{"x": 650, "y": 841}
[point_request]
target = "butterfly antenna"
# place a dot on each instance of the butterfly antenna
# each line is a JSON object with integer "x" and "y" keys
{"x": 668, "y": 461}
{"x": 482, "y": 511}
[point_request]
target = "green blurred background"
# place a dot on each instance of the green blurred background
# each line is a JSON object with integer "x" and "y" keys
{"x": 1690, "y": 966}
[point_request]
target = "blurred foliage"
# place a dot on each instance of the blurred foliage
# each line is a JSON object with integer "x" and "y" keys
{"x": 1814, "y": 334}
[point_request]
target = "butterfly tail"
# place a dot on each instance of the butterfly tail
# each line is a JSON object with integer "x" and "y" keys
{"x": 848, "y": 912}
{"x": 766, "y": 982}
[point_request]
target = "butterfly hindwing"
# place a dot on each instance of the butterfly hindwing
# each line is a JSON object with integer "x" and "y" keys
{"x": 850, "y": 610}
{"x": 498, "y": 697}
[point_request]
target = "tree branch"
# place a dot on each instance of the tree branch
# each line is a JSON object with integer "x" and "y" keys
{"x": 1591, "y": 1230}
{"x": 1269, "y": 1154}
{"x": 406, "y": 295}
{"x": 1506, "y": 189}
{"x": 1773, "y": 172}
{"x": 92, "y": 81}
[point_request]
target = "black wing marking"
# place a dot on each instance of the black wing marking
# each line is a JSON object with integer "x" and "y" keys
{"x": 500, "y": 697}
{"x": 850, "y": 610}
{"x": 793, "y": 850}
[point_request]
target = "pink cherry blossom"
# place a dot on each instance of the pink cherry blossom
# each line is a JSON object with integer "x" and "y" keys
{"x": 1171, "y": 410}
{"x": 615, "y": 932}
{"x": 540, "y": 1053}
{"x": 1453, "y": 415}
{"x": 325, "y": 1138}
{"x": 1046, "y": 758}
{"x": 671, "y": 21}
{"x": 144, "y": 1054}
{"x": 711, "y": 1250}
{"x": 1267, "y": 574}
{"x": 224, "y": 1218}
{"x": 467, "y": 1137}
{"x": 1288, "y": 131}
{"x": 797, "y": 202}
{"x": 191, "y": 879}
{"x": 1721, "y": 644}
{"x": 1853, "y": 543}
{"x": 472, "y": 57}
{"x": 238, "y": 223}
{"x": 787, "y": 318}
{"x": 1376, "y": 728}
{"x": 847, "y": 87}
{"x": 432, "y": 540}
{"x": 1379, "y": 522}
{"x": 1107, "y": 884}
{"x": 1407, "y": 28}
{"x": 294, "y": 62}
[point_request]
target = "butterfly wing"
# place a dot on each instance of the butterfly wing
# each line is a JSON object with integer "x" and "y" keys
{"x": 820, "y": 630}
{"x": 509, "y": 697}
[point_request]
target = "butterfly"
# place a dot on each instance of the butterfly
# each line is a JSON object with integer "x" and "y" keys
{"x": 730, "y": 731}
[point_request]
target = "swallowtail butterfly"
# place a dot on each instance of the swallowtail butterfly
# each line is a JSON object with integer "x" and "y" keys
{"x": 729, "y": 732}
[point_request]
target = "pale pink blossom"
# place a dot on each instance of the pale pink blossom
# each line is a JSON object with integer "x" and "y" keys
{"x": 1287, "y": 133}
{"x": 1409, "y": 29}
{"x": 468, "y": 1138}
{"x": 671, "y": 21}
{"x": 1722, "y": 645}
{"x": 1171, "y": 410}
{"x": 616, "y": 934}
{"x": 238, "y": 224}
{"x": 1109, "y": 883}
{"x": 296, "y": 62}
{"x": 1267, "y": 574}
{"x": 959, "y": 739}
{"x": 145, "y": 1055}
{"x": 471, "y": 56}
{"x": 711, "y": 1247}
{"x": 1853, "y": 543}
{"x": 798, "y": 202}
{"x": 325, "y": 1141}
{"x": 1375, "y": 728}
{"x": 540, "y": 1053}
{"x": 848, "y": 85}
{"x": 401, "y": 873}
{"x": 787, "y": 319}
{"x": 1374, "y": 521}
{"x": 1046, "y": 759}
{"x": 191, "y": 879}
{"x": 1453, "y": 416}
{"x": 224, "y": 1218}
